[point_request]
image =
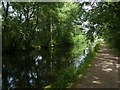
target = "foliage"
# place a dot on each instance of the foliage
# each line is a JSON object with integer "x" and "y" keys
{"x": 52, "y": 24}
{"x": 67, "y": 76}
{"x": 82, "y": 69}
{"x": 84, "y": 66}
{"x": 103, "y": 20}
{"x": 38, "y": 24}
{"x": 97, "y": 46}
{"x": 71, "y": 74}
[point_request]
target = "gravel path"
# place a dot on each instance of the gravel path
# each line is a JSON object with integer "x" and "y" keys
{"x": 103, "y": 73}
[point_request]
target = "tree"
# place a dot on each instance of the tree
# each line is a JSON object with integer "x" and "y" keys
{"x": 104, "y": 18}
{"x": 38, "y": 24}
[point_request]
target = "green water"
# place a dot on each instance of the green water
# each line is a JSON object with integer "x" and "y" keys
{"x": 35, "y": 69}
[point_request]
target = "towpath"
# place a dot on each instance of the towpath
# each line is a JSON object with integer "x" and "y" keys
{"x": 103, "y": 73}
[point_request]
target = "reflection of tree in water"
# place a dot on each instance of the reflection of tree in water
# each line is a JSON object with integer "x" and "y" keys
{"x": 34, "y": 69}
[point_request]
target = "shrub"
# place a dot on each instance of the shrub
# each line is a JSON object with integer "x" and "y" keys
{"x": 69, "y": 75}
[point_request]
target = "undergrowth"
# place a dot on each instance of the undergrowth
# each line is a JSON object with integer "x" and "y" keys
{"x": 72, "y": 75}
{"x": 84, "y": 66}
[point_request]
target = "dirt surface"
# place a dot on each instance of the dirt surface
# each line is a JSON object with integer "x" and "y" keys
{"x": 103, "y": 73}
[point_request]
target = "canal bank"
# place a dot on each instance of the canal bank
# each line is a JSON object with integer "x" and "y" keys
{"x": 103, "y": 72}
{"x": 77, "y": 70}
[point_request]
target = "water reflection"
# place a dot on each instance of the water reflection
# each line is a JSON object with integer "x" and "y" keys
{"x": 81, "y": 58}
{"x": 34, "y": 69}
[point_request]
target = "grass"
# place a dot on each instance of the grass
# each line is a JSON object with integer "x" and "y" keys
{"x": 82, "y": 70}
{"x": 70, "y": 76}
{"x": 79, "y": 44}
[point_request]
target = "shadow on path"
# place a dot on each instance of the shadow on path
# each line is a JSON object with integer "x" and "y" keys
{"x": 103, "y": 72}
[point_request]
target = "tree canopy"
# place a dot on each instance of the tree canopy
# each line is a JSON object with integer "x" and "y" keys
{"x": 55, "y": 24}
{"x": 104, "y": 21}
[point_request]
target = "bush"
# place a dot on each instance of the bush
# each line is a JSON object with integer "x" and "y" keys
{"x": 82, "y": 69}
{"x": 72, "y": 74}
{"x": 97, "y": 46}
{"x": 69, "y": 75}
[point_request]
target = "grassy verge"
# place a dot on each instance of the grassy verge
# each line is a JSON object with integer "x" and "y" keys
{"x": 82, "y": 70}
{"x": 71, "y": 75}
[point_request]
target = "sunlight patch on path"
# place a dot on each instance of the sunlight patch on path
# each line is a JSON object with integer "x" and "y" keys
{"x": 103, "y": 73}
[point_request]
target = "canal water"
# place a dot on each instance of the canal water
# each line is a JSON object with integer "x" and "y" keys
{"x": 36, "y": 69}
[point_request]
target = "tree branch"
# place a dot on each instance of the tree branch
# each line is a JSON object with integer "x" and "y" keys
{"x": 3, "y": 6}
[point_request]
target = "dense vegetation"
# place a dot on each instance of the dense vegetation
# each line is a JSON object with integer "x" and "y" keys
{"x": 38, "y": 24}
{"x": 51, "y": 27}
{"x": 104, "y": 21}
{"x": 55, "y": 24}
